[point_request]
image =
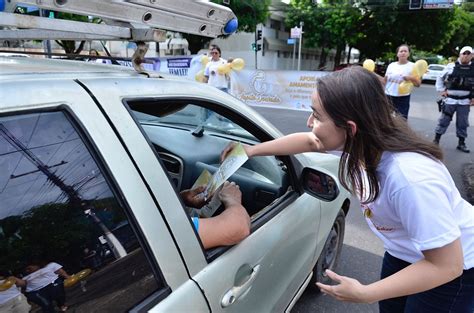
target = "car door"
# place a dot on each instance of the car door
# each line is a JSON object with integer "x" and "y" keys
{"x": 265, "y": 271}
{"x": 65, "y": 141}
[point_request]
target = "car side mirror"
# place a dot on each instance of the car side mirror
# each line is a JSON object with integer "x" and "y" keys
{"x": 319, "y": 184}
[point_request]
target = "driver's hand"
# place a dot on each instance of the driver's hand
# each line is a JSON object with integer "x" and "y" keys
{"x": 194, "y": 197}
{"x": 230, "y": 194}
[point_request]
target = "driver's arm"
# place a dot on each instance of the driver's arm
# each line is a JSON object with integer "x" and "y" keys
{"x": 231, "y": 226}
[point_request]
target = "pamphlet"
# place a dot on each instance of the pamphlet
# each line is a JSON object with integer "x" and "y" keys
{"x": 235, "y": 159}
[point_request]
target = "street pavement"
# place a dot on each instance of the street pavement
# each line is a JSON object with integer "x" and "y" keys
{"x": 362, "y": 252}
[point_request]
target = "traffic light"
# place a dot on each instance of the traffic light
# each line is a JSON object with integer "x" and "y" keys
{"x": 259, "y": 35}
{"x": 256, "y": 47}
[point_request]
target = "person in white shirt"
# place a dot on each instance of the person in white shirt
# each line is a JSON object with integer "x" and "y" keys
{"x": 211, "y": 73}
{"x": 398, "y": 72}
{"x": 45, "y": 285}
{"x": 11, "y": 298}
{"x": 456, "y": 85}
{"x": 408, "y": 197}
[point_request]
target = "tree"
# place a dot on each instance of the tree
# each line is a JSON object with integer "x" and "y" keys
{"x": 461, "y": 32}
{"x": 330, "y": 24}
{"x": 377, "y": 27}
{"x": 249, "y": 13}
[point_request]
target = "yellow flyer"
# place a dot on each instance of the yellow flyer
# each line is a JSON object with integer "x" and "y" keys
{"x": 235, "y": 159}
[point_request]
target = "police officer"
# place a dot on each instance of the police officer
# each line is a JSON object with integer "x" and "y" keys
{"x": 456, "y": 84}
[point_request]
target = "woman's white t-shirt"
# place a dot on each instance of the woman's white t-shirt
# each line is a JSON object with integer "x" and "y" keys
{"x": 394, "y": 74}
{"x": 419, "y": 208}
{"x": 42, "y": 277}
{"x": 215, "y": 79}
{"x": 8, "y": 294}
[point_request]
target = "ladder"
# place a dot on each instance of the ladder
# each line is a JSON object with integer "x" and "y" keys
{"x": 129, "y": 20}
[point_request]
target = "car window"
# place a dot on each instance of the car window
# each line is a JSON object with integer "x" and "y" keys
{"x": 195, "y": 116}
{"x": 436, "y": 67}
{"x": 58, "y": 211}
{"x": 188, "y": 137}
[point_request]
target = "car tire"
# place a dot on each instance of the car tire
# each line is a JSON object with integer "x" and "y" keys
{"x": 329, "y": 257}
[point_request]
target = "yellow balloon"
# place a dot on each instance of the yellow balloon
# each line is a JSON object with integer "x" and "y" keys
{"x": 75, "y": 278}
{"x": 7, "y": 284}
{"x": 405, "y": 87}
{"x": 237, "y": 64}
{"x": 420, "y": 68}
{"x": 83, "y": 274}
{"x": 224, "y": 68}
{"x": 199, "y": 76}
{"x": 204, "y": 60}
{"x": 369, "y": 65}
{"x": 71, "y": 281}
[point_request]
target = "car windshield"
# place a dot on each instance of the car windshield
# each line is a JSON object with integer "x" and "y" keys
{"x": 436, "y": 68}
{"x": 195, "y": 117}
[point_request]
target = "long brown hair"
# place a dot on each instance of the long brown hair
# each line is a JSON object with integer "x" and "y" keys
{"x": 355, "y": 94}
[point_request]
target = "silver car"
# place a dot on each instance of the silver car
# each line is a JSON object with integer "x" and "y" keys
{"x": 433, "y": 72}
{"x": 92, "y": 160}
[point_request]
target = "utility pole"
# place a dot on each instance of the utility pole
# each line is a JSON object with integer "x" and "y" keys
{"x": 255, "y": 47}
{"x": 299, "y": 48}
{"x": 294, "y": 56}
{"x": 72, "y": 194}
{"x": 46, "y": 43}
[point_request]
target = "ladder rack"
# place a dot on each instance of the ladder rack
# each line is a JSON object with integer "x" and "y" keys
{"x": 133, "y": 20}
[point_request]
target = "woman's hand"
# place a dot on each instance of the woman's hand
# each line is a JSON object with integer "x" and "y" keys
{"x": 413, "y": 79}
{"x": 193, "y": 197}
{"x": 348, "y": 289}
{"x": 231, "y": 146}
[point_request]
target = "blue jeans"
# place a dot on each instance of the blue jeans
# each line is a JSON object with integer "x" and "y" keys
{"x": 462, "y": 119}
{"x": 401, "y": 104}
{"x": 456, "y": 296}
{"x": 46, "y": 296}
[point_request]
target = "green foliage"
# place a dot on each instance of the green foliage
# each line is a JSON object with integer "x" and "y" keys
{"x": 249, "y": 13}
{"x": 376, "y": 28}
{"x": 461, "y": 32}
{"x": 53, "y": 232}
{"x": 326, "y": 25}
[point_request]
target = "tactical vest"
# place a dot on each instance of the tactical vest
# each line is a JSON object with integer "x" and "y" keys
{"x": 462, "y": 77}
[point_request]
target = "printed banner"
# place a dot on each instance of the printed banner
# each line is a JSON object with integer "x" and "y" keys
{"x": 186, "y": 66}
{"x": 282, "y": 89}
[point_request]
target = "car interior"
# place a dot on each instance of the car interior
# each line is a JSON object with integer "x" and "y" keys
{"x": 189, "y": 138}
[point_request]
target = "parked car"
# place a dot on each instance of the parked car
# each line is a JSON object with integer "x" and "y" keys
{"x": 94, "y": 151}
{"x": 434, "y": 70}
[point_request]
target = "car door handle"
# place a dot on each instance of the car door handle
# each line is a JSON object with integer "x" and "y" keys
{"x": 237, "y": 291}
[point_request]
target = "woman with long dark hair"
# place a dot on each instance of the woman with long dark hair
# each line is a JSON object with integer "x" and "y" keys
{"x": 397, "y": 73}
{"x": 407, "y": 194}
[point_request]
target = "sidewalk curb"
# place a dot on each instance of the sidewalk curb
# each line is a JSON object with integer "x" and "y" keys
{"x": 468, "y": 180}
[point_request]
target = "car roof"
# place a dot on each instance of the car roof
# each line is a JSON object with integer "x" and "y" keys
{"x": 11, "y": 67}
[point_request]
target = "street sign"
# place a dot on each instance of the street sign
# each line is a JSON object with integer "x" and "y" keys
{"x": 438, "y": 4}
{"x": 415, "y": 4}
{"x": 291, "y": 41}
{"x": 295, "y": 32}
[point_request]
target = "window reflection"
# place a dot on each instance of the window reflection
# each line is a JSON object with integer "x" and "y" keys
{"x": 57, "y": 208}
{"x": 320, "y": 184}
